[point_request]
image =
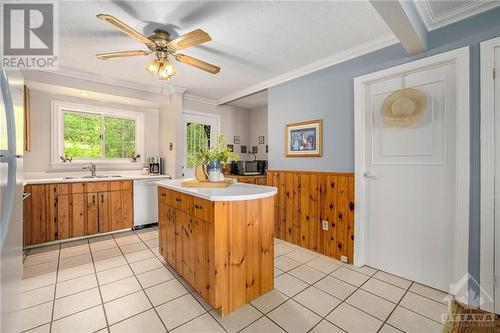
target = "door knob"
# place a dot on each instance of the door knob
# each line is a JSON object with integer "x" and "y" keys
{"x": 369, "y": 175}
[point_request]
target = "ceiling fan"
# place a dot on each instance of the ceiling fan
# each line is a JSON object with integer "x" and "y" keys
{"x": 162, "y": 46}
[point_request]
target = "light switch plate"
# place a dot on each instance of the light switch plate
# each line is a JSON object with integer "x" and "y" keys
{"x": 343, "y": 258}
{"x": 325, "y": 225}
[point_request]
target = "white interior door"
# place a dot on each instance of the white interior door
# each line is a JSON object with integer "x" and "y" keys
{"x": 200, "y": 132}
{"x": 497, "y": 185}
{"x": 410, "y": 181}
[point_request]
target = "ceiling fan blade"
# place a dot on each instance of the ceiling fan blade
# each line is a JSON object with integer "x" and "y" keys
{"x": 197, "y": 63}
{"x": 126, "y": 29}
{"x": 122, "y": 54}
{"x": 192, "y": 38}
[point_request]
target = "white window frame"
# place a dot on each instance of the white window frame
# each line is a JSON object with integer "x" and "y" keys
{"x": 57, "y": 133}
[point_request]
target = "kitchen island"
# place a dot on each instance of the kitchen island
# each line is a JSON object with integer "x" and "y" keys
{"x": 220, "y": 240}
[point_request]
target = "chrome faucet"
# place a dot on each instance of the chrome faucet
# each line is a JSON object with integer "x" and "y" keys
{"x": 91, "y": 167}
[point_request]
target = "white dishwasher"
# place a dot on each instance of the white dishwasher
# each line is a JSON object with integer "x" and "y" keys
{"x": 146, "y": 201}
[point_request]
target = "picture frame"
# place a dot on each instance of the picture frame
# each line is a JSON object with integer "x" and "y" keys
{"x": 237, "y": 140}
{"x": 255, "y": 150}
{"x": 231, "y": 148}
{"x": 243, "y": 149}
{"x": 304, "y": 139}
{"x": 261, "y": 140}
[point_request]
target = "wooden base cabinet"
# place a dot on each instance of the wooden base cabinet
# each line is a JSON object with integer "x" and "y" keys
{"x": 63, "y": 211}
{"x": 224, "y": 250}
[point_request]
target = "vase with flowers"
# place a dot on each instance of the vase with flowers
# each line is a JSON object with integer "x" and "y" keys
{"x": 208, "y": 162}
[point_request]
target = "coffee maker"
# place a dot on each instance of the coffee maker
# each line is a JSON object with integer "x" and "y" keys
{"x": 155, "y": 165}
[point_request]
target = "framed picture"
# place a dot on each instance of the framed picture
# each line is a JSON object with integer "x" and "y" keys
{"x": 231, "y": 148}
{"x": 237, "y": 140}
{"x": 261, "y": 140}
{"x": 243, "y": 149}
{"x": 255, "y": 149}
{"x": 267, "y": 149}
{"x": 304, "y": 139}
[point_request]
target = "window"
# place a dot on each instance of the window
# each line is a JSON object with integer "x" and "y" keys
{"x": 91, "y": 133}
{"x": 197, "y": 140}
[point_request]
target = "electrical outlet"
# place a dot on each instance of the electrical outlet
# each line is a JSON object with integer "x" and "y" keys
{"x": 325, "y": 225}
{"x": 343, "y": 258}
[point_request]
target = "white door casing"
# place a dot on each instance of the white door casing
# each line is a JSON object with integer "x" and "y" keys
{"x": 200, "y": 118}
{"x": 490, "y": 171}
{"x": 412, "y": 184}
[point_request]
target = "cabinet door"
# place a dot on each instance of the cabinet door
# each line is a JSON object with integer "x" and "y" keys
{"x": 115, "y": 210}
{"x": 92, "y": 214}
{"x": 200, "y": 229}
{"x": 63, "y": 216}
{"x": 127, "y": 209}
{"x": 163, "y": 211}
{"x": 103, "y": 204}
{"x": 170, "y": 237}
{"x": 188, "y": 260}
{"x": 181, "y": 219}
{"x": 39, "y": 214}
{"x": 77, "y": 207}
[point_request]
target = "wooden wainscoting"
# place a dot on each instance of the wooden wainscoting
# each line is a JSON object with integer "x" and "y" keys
{"x": 307, "y": 198}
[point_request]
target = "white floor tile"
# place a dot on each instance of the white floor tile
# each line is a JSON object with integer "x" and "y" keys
{"x": 307, "y": 274}
{"x": 179, "y": 311}
{"x": 145, "y": 265}
{"x": 326, "y": 327}
{"x": 109, "y": 263}
{"x": 424, "y": 306}
{"x": 156, "y": 276}
{"x": 114, "y": 274}
{"x": 127, "y": 239}
{"x": 301, "y": 255}
{"x": 89, "y": 320}
{"x": 384, "y": 290}
{"x": 139, "y": 255}
{"x": 76, "y": 302}
{"x": 351, "y": 319}
{"x": 317, "y": 301}
{"x": 40, "y": 329}
{"x": 38, "y": 281}
{"x": 263, "y": 325}
{"x": 429, "y": 292}
{"x": 325, "y": 266}
{"x": 39, "y": 269}
{"x": 119, "y": 288}
{"x": 374, "y": 305}
{"x": 335, "y": 287}
{"x": 44, "y": 249}
{"x": 350, "y": 276}
{"x": 106, "y": 253}
{"x": 389, "y": 329}
{"x": 76, "y": 285}
{"x": 237, "y": 319}
{"x": 41, "y": 258}
{"x": 34, "y": 316}
{"x": 285, "y": 264}
{"x": 77, "y": 260}
{"x": 37, "y": 296}
{"x": 269, "y": 301}
{"x": 393, "y": 279}
{"x": 289, "y": 285}
{"x": 364, "y": 269}
{"x": 165, "y": 292}
{"x": 74, "y": 251}
{"x": 277, "y": 272}
{"x": 133, "y": 247}
{"x": 411, "y": 322}
{"x": 203, "y": 324}
{"x": 144, "y": 322}
{"x": 127, "y": 306}
{"x": 74, "y": 272}
{"x": 293, "y": 317}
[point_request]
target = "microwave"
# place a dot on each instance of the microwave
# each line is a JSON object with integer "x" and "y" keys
{"x": 251, "y": 167}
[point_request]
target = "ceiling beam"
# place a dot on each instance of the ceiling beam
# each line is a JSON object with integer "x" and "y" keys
{"x": 405, "y": 22}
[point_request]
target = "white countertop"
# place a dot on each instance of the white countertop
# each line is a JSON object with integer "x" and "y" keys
{"x": 234, "y": 192}
{"x": 47, "y": 178}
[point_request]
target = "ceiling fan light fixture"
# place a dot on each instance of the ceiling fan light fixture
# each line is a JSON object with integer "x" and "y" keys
{"x": 166, "y": 70}
{"x": 153, "y": 66}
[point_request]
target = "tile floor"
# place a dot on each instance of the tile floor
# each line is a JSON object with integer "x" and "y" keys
{"x": 120, "y": 283}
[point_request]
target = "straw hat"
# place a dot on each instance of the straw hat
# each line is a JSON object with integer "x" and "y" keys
{"x": 404, "y": 107}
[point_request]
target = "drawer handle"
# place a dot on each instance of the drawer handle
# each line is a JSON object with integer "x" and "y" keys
{"x": 198, "y": 206}
{"x": 93, "y": 198}
{"x": 178, "y": 199}
{"x": 102, "y": 198}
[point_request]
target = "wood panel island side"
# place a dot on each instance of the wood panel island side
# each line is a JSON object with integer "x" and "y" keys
{"x": 220, "y": 240}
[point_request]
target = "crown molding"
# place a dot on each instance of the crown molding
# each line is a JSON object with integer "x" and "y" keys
{"x": 200, "y": 99}
{"x": 468, "y": 9}
{"x": 112, "y": 81}
{"x": 334, "y": 59}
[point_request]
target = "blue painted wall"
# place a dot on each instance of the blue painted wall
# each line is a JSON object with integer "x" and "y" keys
{"x": 329, "y": 94}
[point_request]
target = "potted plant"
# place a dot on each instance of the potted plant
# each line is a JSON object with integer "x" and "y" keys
{"x": 208, "y": 162}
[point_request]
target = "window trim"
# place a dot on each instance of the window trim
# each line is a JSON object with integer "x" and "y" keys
{"x": 57, "y": 133}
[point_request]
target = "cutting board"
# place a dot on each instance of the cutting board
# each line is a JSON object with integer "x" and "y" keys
{"x": 197, "y": 183}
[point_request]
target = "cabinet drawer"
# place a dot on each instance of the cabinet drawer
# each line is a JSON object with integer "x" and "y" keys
{"x": 97, "y": 186}
{"x": 181, "y": 201}
{"x": 163, "y": 196}
{"x": 203, "y": 209}
{"x": 115, "y": 186}
{"x": 126, "y": 185}
{"x": 76, "y": 188}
